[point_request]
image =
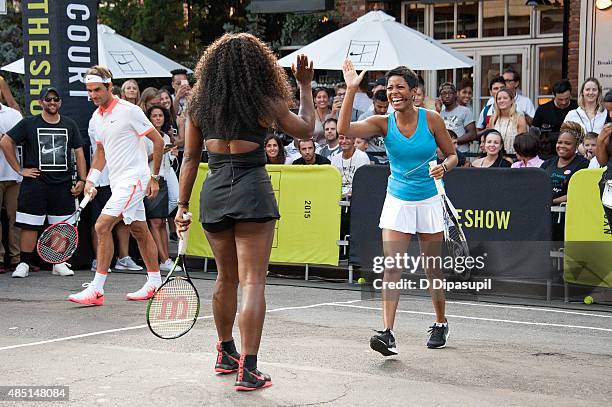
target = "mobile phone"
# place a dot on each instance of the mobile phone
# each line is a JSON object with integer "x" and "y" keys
{"x": 169, "y": 145}
{"x": 184, "y": 82}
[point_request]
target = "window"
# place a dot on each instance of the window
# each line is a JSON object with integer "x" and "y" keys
{"x": 414, "y": 16}
{"x": 467, "y": 20}
{"x": 493, "y": 14}
{"x": 549, "y": 71}
{"x": 551, "y": 21}
{"x": 519, "y": 17}
{"x": 444, "y": 21}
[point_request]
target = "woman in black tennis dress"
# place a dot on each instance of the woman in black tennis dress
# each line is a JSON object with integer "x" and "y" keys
{"x": 240, "y": 92}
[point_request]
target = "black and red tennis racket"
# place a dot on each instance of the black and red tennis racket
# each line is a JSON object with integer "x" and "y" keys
{"x": 59, "y": 241}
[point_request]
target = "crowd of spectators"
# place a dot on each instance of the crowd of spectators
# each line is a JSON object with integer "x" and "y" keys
{"x": 560, "y": 136}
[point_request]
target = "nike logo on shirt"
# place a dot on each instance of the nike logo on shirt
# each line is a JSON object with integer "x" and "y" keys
{"x": 44, "y": 150}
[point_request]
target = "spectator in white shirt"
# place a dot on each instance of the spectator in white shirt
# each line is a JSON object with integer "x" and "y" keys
{"x": 456, "y": 117}
{"x": 512, "y": 80}
{"x": 9, "y": 191}
{"x": 347, "y": 163}
{"x": 331, "y": 138}
{"x": 590, "y": 114}
{"x": 495, "y": 85}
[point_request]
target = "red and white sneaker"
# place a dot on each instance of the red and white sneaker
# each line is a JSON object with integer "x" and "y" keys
{"x": 144, "y": 293}
{"x": 89, "y": 296}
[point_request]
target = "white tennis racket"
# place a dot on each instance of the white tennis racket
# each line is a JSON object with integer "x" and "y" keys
{"x": 454, "y": 238}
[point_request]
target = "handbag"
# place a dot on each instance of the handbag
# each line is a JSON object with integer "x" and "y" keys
{"x": 606, "y": 196}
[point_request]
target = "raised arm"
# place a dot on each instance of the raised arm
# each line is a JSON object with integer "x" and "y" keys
{"x": 373, "y": 125}
{"x": 299, "y": 125}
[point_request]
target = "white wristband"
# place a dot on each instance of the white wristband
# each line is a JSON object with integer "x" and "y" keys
{"x": 94, "y": 176}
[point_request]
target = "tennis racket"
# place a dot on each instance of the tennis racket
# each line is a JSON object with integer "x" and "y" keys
{"x": 454, "y": 238}
{"x": 59, "y": 241}
{"x": 174, "y": 308}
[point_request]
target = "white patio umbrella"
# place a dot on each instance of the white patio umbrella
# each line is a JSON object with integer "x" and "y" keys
{"x": 377, "y": 42}
{"x": 124, "y": 57}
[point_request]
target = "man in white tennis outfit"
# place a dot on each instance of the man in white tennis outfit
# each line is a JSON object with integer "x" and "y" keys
{"x": 119, "y": 128}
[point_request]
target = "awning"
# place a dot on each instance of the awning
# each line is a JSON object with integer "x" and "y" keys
{"x": 289, "y": 6}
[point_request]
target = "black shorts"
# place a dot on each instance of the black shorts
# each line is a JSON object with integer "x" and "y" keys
{"x": 39, "y": 201}
{"x": 103, "y": 195}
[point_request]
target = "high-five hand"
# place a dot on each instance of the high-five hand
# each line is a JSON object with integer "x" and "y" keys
{"x": 304, "y": 72}
{"x": 351, "y": 78}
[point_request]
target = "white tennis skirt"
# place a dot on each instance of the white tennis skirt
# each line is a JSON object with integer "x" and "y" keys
{"x": 424, "y": 216}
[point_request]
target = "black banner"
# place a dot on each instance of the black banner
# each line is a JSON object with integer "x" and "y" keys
{"x": 505, "y": 214}
{"x": 60, "y": 43}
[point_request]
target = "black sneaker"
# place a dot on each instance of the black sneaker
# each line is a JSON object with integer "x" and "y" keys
{"x": 247, "y": 380}
{"x": 384, "y": 342}
{"x": 226, "y": 363}
{"x": 437, "y": 336}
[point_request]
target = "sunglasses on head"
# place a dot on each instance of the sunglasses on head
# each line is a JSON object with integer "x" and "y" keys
{"x": 52, "y": 99}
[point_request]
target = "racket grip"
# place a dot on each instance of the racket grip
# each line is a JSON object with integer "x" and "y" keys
{"x": 438, "y": 182}
{"x": 182, "y": 245}
{"x": 85, "y": 201}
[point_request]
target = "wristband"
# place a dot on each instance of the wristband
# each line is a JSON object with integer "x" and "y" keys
{"x": 183, "y": 203}
{"x": 444, "y": 167}
{"x": 94, "y": 176}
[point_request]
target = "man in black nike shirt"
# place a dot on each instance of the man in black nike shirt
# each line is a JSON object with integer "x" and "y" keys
{"x": 46, "y": 192}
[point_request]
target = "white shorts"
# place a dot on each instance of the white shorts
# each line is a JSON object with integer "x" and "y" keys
{"x": 424, "y": 216}
{"x": 127, "y": 201}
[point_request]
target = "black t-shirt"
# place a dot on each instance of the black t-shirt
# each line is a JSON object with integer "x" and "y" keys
{"x": 319, "y": 160}
{"x": 560, "y": 177}
{"x": 47, "y": 146}
{"x": 549, "y": 117}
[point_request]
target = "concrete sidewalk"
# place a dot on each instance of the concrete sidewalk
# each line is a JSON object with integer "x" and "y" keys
{"x": 315, "y": 347}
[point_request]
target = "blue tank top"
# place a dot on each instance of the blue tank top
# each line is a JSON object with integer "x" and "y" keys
{"x": 409, "y": 160}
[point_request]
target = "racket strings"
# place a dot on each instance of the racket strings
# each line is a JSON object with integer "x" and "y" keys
{"x": 58, "y": 243}
{"x": 174, "y": 308}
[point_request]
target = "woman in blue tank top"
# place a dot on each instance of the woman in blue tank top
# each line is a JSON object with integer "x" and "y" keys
{"x": 412, "y": 205}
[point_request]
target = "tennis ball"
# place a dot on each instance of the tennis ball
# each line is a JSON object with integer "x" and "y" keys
{"x": 588, "y": 300}
{"x": 361, "y": 280}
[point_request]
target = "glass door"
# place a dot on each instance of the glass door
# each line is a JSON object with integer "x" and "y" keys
{"x": 491, "y": 63}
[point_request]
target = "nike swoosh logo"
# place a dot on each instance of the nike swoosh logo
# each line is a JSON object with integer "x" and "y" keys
{"x": 45, "y": 151}
{"x": 353, "y": 54}
{"x": 123, "y": 63}
{"x": 113, "y": 121}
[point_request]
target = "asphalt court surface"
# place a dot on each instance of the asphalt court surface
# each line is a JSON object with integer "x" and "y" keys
{"x": 315, "y": 347}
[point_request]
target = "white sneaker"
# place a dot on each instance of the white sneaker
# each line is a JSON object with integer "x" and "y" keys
{"x": 127, "y": 263}
{"x": 94, "y": 266}
{"x": 144, "y": 293}
{"x": 89, "y": 296}
{"x": 21, "y": 271}
{"x": 62, "y": 269}
{"x": 167, "y": 266}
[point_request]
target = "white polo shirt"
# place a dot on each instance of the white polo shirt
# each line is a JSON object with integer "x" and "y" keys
{"x": 103, "y": 181}
{"x": 9, "y": 117}
{"x": 120, "y": 130}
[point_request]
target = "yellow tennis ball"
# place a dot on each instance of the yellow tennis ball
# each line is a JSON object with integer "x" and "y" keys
{"x": 588, "y": 300}
{"x": 361, "y": 280}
